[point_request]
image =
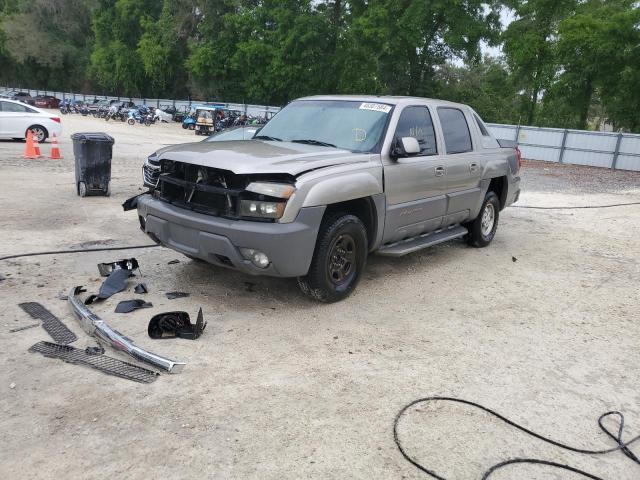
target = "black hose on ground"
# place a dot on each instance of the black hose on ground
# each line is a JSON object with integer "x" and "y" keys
{"x": 576, "y": 208}
{"x": 80, "y": 250}
{"x": 106, "y": 249}
{"x": 622, "y": 446}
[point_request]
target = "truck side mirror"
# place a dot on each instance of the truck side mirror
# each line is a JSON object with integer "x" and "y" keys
{"x": 405, "y": 146}
{"x": 411, "y": 145}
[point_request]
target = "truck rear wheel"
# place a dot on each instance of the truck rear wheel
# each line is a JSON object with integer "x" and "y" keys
{"x": 483, "y": 228}
{"x": 338, "y": 260}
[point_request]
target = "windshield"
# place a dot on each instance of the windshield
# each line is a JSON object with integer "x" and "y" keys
{"x": 355, "y": 126}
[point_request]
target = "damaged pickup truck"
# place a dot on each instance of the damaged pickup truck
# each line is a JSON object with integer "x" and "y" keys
{"x": 329, "y": 180}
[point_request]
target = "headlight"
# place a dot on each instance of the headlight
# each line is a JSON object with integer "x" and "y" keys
{"x": 278, "y": 190}
{"x": 255, "y": 208}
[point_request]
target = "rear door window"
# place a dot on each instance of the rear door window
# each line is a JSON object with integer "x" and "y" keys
{"x": 455, "y": 130}
{"x": 416, "y": 122}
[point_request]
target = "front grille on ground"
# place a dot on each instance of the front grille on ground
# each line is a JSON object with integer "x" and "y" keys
{"x": 52, "y": 324}
{"x": 108, "y": 365}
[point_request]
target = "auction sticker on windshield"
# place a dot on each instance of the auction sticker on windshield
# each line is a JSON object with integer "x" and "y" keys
{"x": 376, "y": 107}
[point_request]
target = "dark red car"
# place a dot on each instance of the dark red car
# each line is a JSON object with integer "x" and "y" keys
{"x": 47, "y": 101}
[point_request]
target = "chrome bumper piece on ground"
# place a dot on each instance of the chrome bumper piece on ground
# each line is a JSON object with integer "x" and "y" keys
{"x": 96, "y": 327}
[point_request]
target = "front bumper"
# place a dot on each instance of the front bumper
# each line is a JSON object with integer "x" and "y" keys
{"x": 96, "y": 327}
{"x": 217, "y": 240}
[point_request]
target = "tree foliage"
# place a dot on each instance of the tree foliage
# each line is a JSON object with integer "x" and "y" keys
{"x": 565, "y": 63}
{"x": 46, "y": 44}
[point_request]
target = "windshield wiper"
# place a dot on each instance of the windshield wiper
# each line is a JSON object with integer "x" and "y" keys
{"x": 311, "y": 141}
{"x": 267, "y": 137}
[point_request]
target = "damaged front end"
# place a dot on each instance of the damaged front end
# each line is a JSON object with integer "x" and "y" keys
{"x": 222, "y": 193}
{"x": 96, "y": 327}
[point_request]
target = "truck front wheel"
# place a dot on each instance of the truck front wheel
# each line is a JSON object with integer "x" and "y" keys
{"x": 338, "y": 260}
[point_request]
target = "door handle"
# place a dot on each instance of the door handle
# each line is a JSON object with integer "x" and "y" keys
{"x": 473, "y": 167}
{"x": 439, "y": 171}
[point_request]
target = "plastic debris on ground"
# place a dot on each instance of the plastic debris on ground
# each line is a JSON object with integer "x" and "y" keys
{"x": 127, "y": 306}
{"x": 172, "y": 295}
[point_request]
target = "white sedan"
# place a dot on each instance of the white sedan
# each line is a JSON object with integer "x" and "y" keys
{"x": 16, "y": 118}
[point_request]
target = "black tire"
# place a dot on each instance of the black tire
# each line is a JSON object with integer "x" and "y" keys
{"x": 131, "y": 121}
{"x": 41, "y": 133}
{"x": 338, "y": 260}
{"x": 481, "y": 234}
{"x": 192, "y": 126}
{"x": 184, "y": 126}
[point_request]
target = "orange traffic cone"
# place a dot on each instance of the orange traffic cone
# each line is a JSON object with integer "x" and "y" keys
{"x": 36, "y": 146}
{"x": 30, "y": 149}
{"x": 55, "y": 150}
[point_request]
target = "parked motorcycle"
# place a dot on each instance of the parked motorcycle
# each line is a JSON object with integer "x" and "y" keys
{"x": 136, "y": 116}
{"x": 112, "y": 112}
{"x": 65, "y": 108}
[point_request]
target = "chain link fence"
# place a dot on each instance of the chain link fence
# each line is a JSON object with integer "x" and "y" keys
{"x": 247, "y": 109}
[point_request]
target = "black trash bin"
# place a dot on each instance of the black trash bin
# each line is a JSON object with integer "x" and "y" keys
{"x": 92, "y": 152}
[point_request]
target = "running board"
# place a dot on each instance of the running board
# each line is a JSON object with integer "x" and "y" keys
{"x": 411, "y": 245}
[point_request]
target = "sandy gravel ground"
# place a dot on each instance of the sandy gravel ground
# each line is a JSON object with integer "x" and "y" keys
{"x": 280, "y": 387}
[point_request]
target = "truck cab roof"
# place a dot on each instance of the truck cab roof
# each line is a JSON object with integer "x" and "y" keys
{"x": 388, "y": 99}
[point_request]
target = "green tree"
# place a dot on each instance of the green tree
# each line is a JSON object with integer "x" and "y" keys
{"x": 529, "y": 46}
{"x": 597, "y": 51}
{"x": 394, "y": 46}
{"x": 44, "y": 44}
{"x": 262, "y": 51}
{"x": 486, "y": 86}
{"x": 116, "y": 64}
{"x": 607, "y": 35}
{"x": 211, "y": 49}
{"x": 163, "y": 45}
{"x": 287, "y": 41}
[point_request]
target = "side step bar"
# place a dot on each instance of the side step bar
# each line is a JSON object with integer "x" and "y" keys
{"x": 411, "y": 245}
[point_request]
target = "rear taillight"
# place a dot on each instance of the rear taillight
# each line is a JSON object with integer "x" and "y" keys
{"x": 56, "y": 119}
{"x": 519, "y": 157}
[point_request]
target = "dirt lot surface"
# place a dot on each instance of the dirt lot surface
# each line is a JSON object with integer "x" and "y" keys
{"x": 543, "y": 326}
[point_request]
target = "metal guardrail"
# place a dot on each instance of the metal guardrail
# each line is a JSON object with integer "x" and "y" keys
{"x": 579, "y": 147}
{"x": 247, "y": 109}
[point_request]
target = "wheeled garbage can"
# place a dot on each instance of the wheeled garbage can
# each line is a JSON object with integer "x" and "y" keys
{"x": 92, "y": 152}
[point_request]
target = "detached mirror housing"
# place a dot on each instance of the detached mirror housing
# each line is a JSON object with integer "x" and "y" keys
{"x": 405, "y": 146}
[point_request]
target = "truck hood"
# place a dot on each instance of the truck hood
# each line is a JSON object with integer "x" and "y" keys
{"x": 258, "y": 156}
